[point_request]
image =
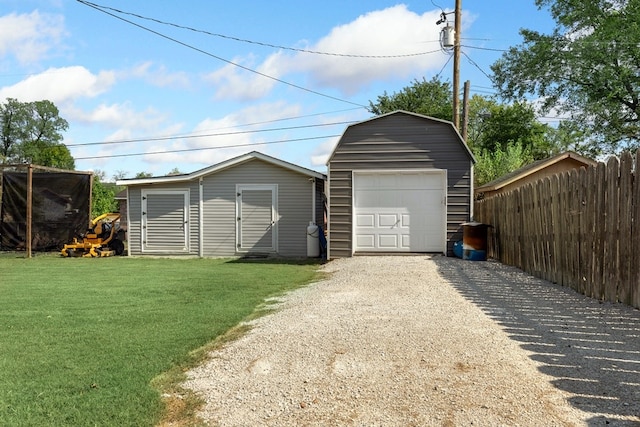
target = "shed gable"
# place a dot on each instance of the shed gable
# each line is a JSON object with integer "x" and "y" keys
{"x": 397, "y": 141}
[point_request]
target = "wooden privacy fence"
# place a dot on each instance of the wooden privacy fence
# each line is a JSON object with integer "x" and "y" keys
{"x": 580, "y": 229}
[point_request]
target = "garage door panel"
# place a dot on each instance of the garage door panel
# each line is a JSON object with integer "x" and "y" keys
{"x": 404, "y": 212}
{"x": 366, "y": 241}
{"x": 388, "y": 241}
{"x": 387, "y": 220}
{"x": 365, "y": 220}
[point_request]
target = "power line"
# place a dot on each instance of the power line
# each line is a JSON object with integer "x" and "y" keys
{"x": 477, "y": 66}
{"x": 189, "y": 136}
{"x": 484, "y": 48}
{"x": 252, "y": 41}
{"x": 98, "y": 8}
{"x": 186, "y": 150}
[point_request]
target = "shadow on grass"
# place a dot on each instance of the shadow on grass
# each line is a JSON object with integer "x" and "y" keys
{"x": 590, "y": 349}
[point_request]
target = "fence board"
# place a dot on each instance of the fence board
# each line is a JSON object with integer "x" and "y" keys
{"x": 579, "y": 229}
{"x": 611, "y": 250}
{"x": 625, "y": 195}
{"x": 556, "y": 226}
{"x": 599, "y": 231}
{"x": 635, "y": 233}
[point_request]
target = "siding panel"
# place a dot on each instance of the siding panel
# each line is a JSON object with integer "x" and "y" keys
{"x": 294, "y": 207}
{"x": 397, "y": 141}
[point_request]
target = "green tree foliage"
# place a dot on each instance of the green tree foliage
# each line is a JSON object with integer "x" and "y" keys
{"x": 503, "y": 124}
{"x": 31, "y": 132}
{"x": 103, "y": 196}
{"x": 431, "y": 98}
{"x": 587, "y": 68}
{"x": 492, "y": 164}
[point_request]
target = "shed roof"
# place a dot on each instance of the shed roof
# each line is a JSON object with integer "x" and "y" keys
{"x": 421, "y": 116}
{"x": 222, "y": 166}
{"x": 532, "y": 168}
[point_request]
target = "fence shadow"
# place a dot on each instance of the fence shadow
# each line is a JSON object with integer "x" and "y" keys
{"x": 590, "y": 349}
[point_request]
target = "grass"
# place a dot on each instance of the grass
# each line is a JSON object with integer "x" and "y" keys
{"x": 97, "y": 341}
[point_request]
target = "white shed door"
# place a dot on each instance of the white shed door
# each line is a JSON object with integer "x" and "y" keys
{"x": 256, "y": 218}
{"x": 400, "y": 211}
{"x": 165, "y": 220}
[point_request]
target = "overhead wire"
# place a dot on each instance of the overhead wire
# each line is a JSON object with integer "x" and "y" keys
{"x": 172, "y": 24}
{"x": 113, "y": 12}
{"x": 335, "y": 98}
{"x": 191, "y": 136}
{"x": 185, "y": 150}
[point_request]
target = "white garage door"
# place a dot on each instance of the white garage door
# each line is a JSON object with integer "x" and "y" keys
{"x": 400, "y": 211}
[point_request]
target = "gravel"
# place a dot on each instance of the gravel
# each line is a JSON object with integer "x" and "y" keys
{"x": 428, "y": 341}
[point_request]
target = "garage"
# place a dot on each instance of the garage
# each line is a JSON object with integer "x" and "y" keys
{"x": 400, "y": 182}
{"x": 399, "y": 211}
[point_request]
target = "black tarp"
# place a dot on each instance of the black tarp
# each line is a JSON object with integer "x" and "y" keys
{"x": 60, "y": 209}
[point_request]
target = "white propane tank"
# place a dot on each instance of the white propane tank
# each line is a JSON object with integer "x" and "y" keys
{"x": 313, "y": 242}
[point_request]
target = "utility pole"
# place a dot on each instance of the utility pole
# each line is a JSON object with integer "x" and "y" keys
{"x": 456, "y": 65}
{"x": 465, "y": 111}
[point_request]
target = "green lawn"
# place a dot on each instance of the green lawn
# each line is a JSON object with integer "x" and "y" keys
{"x": 81, "y": 340}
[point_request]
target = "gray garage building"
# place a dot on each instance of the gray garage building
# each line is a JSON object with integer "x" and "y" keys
{"x": 251, "y": 204}
{"x": 399, "y": 182}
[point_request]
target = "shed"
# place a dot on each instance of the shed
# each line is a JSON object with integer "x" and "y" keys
{"x": 532, "y": 172}
{"x": 253, "y": 204}
{"x": 399, "y": 182}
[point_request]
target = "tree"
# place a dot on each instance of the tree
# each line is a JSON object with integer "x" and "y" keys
{"x": 102, "y": 195}
{"x": 143, "y": 175}
{"x": 586, "y": 68}
{"x": 504, "y": 124}
{"x": 431, "y": 98}
{"x": 492, "y": 164}
{"x": 31, "y": 133}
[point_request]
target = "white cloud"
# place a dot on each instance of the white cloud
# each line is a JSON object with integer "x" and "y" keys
{"x": 122, "y": 117}
{"x": 226, "y": 137}
{"x": 321, "y": 153}
{"x": 405, "y": 42}
{"x": 31, "y": 36}
{"x": 394, "y": 31}
{"x": 60, "y": 85}
{"x": 158, "y": 76}
{"x": 233, "y": 82}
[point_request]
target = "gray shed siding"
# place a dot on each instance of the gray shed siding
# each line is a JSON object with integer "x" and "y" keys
{"x": 293, "y": 209}
{"x": 397, "y": 141}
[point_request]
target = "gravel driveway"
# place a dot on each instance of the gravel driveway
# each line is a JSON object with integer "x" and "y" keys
{"x": 428, "y": 341}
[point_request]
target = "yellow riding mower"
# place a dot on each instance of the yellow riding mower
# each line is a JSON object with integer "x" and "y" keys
{"x": 103, "y": 238}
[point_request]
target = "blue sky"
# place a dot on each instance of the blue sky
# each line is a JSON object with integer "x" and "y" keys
{"x": 147, "y": 96}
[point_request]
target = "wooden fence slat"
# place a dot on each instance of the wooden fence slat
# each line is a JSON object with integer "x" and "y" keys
{"x": 545, "y": 191}
{"x": 564, "y": 232}
{"x": 589, "y": 240}
{"x": 624, "y": 242}
{"x": 611, "y": 249}
{"x": 599, "y": 231}
{"x": 576, "y": 210}
{"x": 635, "y": 233}
{"x": 580, "y": 229}
{"x": 556, "y": 226}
